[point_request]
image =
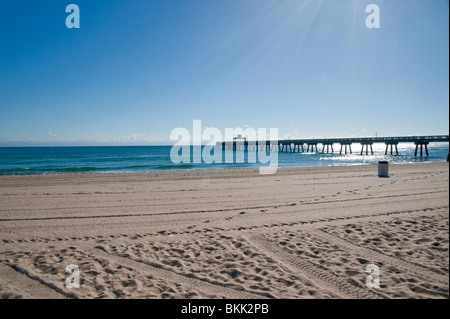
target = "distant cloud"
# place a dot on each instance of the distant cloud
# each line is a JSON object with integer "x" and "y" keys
{"x": 52, "y": 139}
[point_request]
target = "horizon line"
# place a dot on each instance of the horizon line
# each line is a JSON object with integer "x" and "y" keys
{"x": 112, "y": 144}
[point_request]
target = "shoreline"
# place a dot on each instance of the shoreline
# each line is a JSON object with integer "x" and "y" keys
{"x": 250, "y": 169}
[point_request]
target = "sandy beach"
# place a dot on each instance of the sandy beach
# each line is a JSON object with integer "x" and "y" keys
{"x": 302, "y": 233}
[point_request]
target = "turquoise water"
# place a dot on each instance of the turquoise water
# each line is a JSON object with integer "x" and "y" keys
{"x": 44, "y": 160}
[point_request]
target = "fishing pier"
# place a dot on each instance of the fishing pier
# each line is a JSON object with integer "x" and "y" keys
{"x": 366, "y": 143}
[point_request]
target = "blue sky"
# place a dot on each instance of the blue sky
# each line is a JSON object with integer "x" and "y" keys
{"x": 135, "y": 70}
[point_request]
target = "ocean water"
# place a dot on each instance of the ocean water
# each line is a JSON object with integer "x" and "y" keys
{"x": 45, "y": 160}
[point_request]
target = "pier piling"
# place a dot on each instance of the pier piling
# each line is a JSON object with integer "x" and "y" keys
{"x": 366, "y": 145}
{"x": 421, "y": 145}
{"x": 327, "y": 146}
{"x": 346, "y": 145}
{"x": 391, "y": 144}
{"x": 312, "y": 145}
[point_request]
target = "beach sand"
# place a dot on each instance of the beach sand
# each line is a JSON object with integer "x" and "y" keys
{"x": 301, "y": 233}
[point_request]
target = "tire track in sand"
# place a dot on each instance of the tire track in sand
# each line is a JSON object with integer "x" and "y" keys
{"x": 189, "y": 281}
{"x": 29, "y": 287}
{"x": 310, "y": 270}
{"x": 374, "y": 256}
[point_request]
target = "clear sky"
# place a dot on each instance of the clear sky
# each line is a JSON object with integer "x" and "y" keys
{"x": 137, "y": 69}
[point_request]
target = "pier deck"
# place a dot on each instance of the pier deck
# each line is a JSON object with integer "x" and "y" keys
{"x": 294, "y": 145}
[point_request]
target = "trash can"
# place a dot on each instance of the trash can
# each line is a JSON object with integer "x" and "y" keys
{"x": 383, "y": 169}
